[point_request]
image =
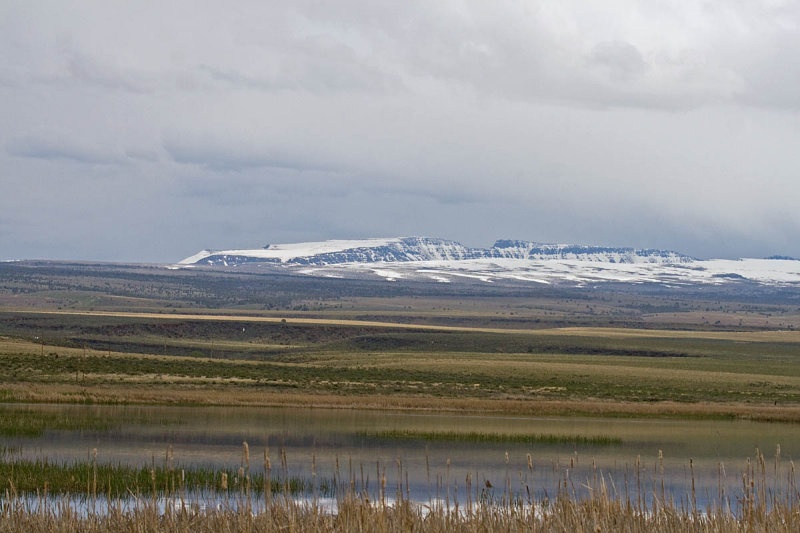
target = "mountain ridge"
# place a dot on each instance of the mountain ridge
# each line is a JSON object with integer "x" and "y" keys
{"x": 413, "y": 249}
{"x": 507, "y": 261}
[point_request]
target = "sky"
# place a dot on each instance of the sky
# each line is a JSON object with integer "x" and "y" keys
{"x": 147, "y": 131}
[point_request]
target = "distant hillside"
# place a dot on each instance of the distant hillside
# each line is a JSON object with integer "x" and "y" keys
{"x": 406, "y": 249}
{"x": 506, "y": 261}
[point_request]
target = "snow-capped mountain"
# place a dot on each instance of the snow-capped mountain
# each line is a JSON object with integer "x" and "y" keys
{"x": 533, "y": 250}
{"x": 506, "y": 261}
{"x": 406, "y": 249}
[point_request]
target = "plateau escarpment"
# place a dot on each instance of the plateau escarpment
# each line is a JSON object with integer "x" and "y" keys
{"x": 507, "y": 261}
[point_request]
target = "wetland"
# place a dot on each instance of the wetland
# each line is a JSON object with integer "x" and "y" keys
{"x": 121, "y": 383}
{"x": 434, "y": 453}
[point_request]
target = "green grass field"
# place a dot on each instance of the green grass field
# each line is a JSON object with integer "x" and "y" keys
{"x": 190, "y": 354}
{"x": 126, "y": 333}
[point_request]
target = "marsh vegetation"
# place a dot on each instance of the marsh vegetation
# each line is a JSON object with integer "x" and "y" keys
{"x": 706, "y": 376}
{"x": 162, "y": 499}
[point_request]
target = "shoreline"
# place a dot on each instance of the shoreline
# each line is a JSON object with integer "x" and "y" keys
{"x": 64, "y": 394}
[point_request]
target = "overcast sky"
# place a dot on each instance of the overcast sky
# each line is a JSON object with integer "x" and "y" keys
{"x": 146, "y": 131}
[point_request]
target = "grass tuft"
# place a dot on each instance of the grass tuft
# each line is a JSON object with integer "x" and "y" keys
{"x": 118, "y": 480}
{"x": 514, "y": 438}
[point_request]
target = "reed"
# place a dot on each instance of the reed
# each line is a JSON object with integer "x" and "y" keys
{"x": 767, "y": 501}
{"x": 601, "y": 512}
{"x": 30, "y": 423}
{"x": 119, "y": 480}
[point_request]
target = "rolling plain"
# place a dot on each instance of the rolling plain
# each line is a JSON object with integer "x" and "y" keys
{"x": 136, "y": 334}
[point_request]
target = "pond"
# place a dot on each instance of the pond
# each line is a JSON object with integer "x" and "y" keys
{"x": 435, "y": 452}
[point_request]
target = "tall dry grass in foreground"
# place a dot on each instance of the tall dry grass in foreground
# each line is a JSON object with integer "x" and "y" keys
{"x": 356, "y": 513}
{"x": 766, "y": 500}
{"x": 600, "y": 513}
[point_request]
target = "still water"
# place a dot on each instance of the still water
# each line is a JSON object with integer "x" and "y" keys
{"x": 212, "y": 436}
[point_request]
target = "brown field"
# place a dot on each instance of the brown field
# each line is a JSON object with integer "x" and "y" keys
{"x": 749, "y": 336}
{"x": 343, "y": 363}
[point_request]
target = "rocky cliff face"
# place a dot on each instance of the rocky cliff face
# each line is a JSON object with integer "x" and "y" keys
{"x": 407, "y": 249}
{"x": 541, "y": 252}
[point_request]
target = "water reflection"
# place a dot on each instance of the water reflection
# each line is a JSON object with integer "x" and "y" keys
{"x": 315, "y": 441}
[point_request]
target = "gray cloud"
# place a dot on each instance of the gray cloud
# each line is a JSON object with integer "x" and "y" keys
{"x": 60, "y": 148}
{"x": 225, "y": 156}
{"x": 143, "y": 155}
{"x": 620, "y": 60}
{"x": 149, "y": 132}
{"x": 81, "y": 68}
{"x": 317, "y": 67}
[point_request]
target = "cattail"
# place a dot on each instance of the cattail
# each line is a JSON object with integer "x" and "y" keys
{"x": 530, "y": 462}
{"x": 267, "y": 477}
{"x": 694, "y": 497}
{"x": 224, "y": 481}
{"x": 661, "y": 471}
{"x": 246, "y": 454}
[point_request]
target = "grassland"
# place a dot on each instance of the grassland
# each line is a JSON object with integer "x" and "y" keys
{"x": 136, "y": 334}
{"x": 142, "y": 288}
{"x": 120, "y": 357}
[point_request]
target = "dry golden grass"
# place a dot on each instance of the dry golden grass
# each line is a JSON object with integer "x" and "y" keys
{"x": 602, "y": 510}
{"x": 358, "y": 516}
{"x": 170, "y": 386}
{"x": 165, "y": 394}
{"x": 610, "y": 368}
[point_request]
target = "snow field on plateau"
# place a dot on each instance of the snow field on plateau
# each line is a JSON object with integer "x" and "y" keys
{"x": 285, "y": 252}
{"x": 575, "y": 272}
{"x": 444, "y": 261}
